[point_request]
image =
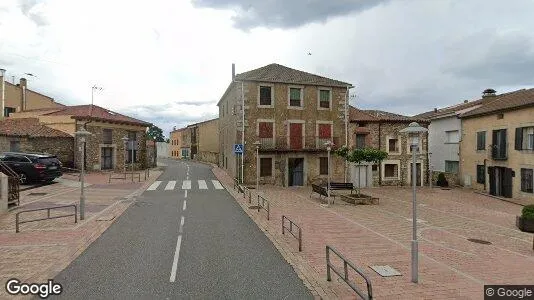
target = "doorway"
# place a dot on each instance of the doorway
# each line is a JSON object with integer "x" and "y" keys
{"x": 295, "y": 171}
{"x": 107, "y": 158}
{"x": 500, "y": 181}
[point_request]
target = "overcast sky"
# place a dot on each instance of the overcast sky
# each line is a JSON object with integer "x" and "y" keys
{"x": 169, "y": 61}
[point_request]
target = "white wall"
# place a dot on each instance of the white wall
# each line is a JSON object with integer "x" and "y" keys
{"x": 437, "y": 142}
{"x": 162, "y": 149}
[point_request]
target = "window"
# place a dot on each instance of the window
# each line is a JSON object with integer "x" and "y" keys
{"x": 325, "y": 131}
{"x": 265, "y": 95}
{"x": 107, "y": 135}
{"x": 265, "y": 130}
{"x": 526, "y": 180}
{"x": 451, "y": 166}
{"x": 452, "y": 136}
{"x": 499, "y": 144}
{"x": 481, "y": 140}
{"x": 8, "y": 110}
{"x": 324, "y": 98}
{"x": 360, "y": 141}
{"x": 481, "y": 174}
{"x": 295, "y": 97}
{"x": 391, "y": 170}
{"x": 500, "y": 116}
{"x": 266, "y": 166}
{"x": 393, "y": 145}
{"x": 524, "y": 138}
{"x": 323, "y": 165}
{"x": 14, "y": 146}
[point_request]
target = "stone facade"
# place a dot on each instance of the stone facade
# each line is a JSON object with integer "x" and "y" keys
{"x": 175, "y": 145}
{"x": 59, "y": 146}
{"x": 452, "y": 178}
{"x": 206, "y": 156}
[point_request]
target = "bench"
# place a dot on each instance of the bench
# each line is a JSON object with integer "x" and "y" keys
{"x": 321, "y": 190}
{"x": 342, "y": 186}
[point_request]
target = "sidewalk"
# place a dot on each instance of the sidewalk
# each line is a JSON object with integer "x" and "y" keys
{"x": 450, "y": 266}
{"x": 42, "y": 249}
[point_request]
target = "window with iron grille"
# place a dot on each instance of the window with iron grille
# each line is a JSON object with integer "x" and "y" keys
{"x": 391, "y": 170}
{"x": 526, "y": 180}
{"x": 324, "y": 98}
{"x": 393, "y": 145}
{"x": 481, "y": 174}
{"x": 323, "y": 165}
{"x": 481, "y": 140}
{"x": 265, "y": 95}
{"x": 295, "y": 97}
{"x": 451, "y": 166}
{"x": 266, "y": 166}
{"x": 107, "y": 136}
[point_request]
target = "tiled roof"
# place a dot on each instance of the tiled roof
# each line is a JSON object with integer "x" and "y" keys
{"x": 379, "y": 115}
{"x": 29, "y": 127}
{"x": 503, "y": 102}
{"x": 282, "y": 74}
{"x": 457, "y": 108}
{"x": 359, "y": 115}
{"x": 97, "y": 113}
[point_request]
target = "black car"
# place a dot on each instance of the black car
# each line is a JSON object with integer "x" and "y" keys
{"x": 33, "y": 166}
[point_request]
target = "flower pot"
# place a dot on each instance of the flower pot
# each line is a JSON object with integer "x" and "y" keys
{"x": 526, "y": 225}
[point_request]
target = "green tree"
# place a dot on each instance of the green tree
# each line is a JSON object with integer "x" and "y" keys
{"x": 155, "y": 133}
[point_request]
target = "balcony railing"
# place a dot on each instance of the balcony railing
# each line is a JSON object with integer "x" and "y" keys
{"x": 499, "y": 152}
{"x": 296, "y": 143}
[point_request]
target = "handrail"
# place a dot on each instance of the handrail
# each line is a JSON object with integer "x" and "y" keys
{"x": 345, "y": 277}
{"x": 291, "y": 224}
{"x": 263, "y": 206}
{"x": 236, "y": 183}
{"x": 7, "y": 169}
{"x": 245, "y": 190}
{"x": 17, "y": 222}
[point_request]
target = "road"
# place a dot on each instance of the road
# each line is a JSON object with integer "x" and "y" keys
{"x": 185, "y": 237}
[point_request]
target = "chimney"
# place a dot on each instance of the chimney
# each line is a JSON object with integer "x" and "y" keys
{"x": 466, "y": 101}
{"x": 233, "y": 71}
{"x": 2, "y": 92}
{"x": 435, "y": 109}
{"x": 489, "y": 93}
{"x": 23, "y": 82}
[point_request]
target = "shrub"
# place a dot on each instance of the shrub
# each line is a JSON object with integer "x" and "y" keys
{"x": 442, "y": 181}
{"x": 528, "y": 212}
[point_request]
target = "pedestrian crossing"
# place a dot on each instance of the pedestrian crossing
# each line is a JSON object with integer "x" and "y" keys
{"x": 172, "y": 185}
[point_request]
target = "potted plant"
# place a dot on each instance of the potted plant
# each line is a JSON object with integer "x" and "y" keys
{"x": 442, "y": 181}
{"x": 525, "y": 222}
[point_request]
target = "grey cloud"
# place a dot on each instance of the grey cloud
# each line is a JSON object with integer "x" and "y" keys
{"x": 26, "y": 8}
{"x": 195, "y": 103}
{"x": 286, "y": 14}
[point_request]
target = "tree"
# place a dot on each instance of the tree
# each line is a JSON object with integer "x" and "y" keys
{"x": 155, "y": 133}
{"x": 167, "y": 140}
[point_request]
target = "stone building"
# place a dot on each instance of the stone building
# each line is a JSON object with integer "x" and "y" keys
{"x": 198, "y": 141}
{"x": 497, "y": 145}
{"x": 29, "y": 135}
{"x": 175, "y": 148}
{"x": 105, "y": 148}
{"x": 380, "y": 130}
{"x": 291, "y": 114}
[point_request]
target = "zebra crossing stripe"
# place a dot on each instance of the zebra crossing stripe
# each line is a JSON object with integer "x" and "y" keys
{"x": 154, "y": 186}
{"x": 186, "y": 185}
{"x": 170, "y": 185}
{"x": 202, "y": 185}
{"x": 217, "y": 185}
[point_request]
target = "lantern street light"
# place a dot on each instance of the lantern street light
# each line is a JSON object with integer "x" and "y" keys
{"x": 257, "y": 144}
{"x": 81, "y": 135}
{"x": 328, "y": 145}
{"x": 125, "y": 140}
{"x": 414, "y": 130}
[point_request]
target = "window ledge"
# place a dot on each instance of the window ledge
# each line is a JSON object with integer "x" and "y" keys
{"x": 390, "y": 178}
{"x": 265, "y": 106}
{"x": 324, "y": 108}
{"x": 295, "y": 107}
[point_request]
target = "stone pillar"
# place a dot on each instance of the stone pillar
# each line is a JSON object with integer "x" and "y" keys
{"x": 4, "y": 190}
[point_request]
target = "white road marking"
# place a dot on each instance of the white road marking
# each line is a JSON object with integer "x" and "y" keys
{"x": 202, "y": 185}
{"x": 186, "y": 185}
{"x": 170, "y": 185}
{"x": 154, "y": 186}
{"x": 182, "y": 221}
{"x": 185, "y": 204}
{"x": 217, "y": 185}
{"x": 175, "y": 261}
{"x": 185, "y": 193}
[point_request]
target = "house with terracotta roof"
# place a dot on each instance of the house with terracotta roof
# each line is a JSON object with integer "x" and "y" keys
{"x": 30, "y": 135}
{"x": 177, "y": 149}
{"x": 105, "y": 148}
{"x": 288, "y": 115}
{"x": 497, "y": 145}
{"x": 381, "y": 130}
{"x": 198, "y": 141}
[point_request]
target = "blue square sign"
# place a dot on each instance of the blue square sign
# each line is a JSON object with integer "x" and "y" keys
{"x": 238, "y": 148}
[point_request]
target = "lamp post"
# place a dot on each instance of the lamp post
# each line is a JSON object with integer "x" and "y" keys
{"x": 413, "y": 130}
{"x": 3, "y": 92}
{"x": 257, "y": 144}
{"x": 81, "y": 135}
{"x": 125, "y": 140}
{"x": 328, "y": 145}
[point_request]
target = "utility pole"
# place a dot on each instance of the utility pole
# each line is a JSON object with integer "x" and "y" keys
{"x": 2, "y": 74}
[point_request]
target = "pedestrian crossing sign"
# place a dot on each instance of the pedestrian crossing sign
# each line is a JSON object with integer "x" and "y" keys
{"x": 238, "y": 148}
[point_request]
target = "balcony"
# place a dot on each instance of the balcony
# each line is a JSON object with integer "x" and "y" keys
{"x": 297, "y": 143}
{"x": 498, "y": 151}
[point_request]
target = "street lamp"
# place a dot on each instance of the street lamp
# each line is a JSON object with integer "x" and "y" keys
{"x": 328, "y": 145}
{"x": 414, "y": 130}
{"x": 125, "y": 140}
{"x": 81, "y": 135}
{"x": 3, "y": 92}
{"x": 257, "y": 144}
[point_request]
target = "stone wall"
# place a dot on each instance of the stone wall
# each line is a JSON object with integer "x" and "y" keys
{"x": 206, "y": 156}
{"x": 452, "y": 178}
{"x": 61, "y": 147}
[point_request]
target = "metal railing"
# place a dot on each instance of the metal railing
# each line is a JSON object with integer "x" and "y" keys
{"x": 246, "y": 191}
{"x": 291, "y": 224}
{"x": 124, "y": 176}
{"x": 345, "y": 276}
{"x": 499, "y": 151}
{"x": 307, "y": 142}
{"x": 236, "y": 183}
{"x": 13, "y": 184}
{"x": 264, "y": 204}
{"x": 18, "y": 222}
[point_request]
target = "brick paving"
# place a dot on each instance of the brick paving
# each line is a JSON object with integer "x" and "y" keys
{"x": 450, "y": 266}
{"x": 42, "y": 249}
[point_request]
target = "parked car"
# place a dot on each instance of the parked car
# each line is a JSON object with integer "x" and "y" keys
{"x": 33, "y": 166}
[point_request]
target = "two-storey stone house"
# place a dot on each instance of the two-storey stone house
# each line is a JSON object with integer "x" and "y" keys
{"x": 381, "y": 130}
{"x": 290, "y": 115}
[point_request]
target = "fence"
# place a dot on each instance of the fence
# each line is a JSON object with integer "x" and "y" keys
{"x": 246, "y": 191}
{"x": 263, "y": 204}
{"x": 13, "y": 185}
{"x": 18, "y": 222}
{"x": 345, "y": 276}
{"x": 291, "y": 224}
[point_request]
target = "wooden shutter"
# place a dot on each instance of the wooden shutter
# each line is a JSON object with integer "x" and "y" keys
{"x": 265, "y": 129}
{"x": 507, "y": 183}
{"x": 491, "y": 172}
{"x": 519, "y": 138}
{"x": 295, "y": 135}
{"x": 325, "y": 131}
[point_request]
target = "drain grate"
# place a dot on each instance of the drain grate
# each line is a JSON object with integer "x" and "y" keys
{"x": 479, "y": 241}
{"x": 37, "y": 194}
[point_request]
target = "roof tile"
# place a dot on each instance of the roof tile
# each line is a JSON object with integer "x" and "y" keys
{"x": 29, "y": 127}
{"x": 95, "y": 112}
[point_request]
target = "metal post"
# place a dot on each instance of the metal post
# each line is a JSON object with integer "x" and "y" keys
{"x": 257, "y": 169}
{"x": 415, "y": 249}
{"x": 328, "y": 277}
{"x": 328, "y": 178}
{"x": 82, "y": 182}
{"x": 3, "y": 100}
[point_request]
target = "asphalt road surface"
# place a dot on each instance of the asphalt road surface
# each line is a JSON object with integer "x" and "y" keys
{"x": 185, "y": 237}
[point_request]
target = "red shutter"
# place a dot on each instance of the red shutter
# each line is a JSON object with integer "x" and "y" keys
{"x": 324, "y": 131}
{"x": 266, "y": 129}
{"x": 295, "y": 135}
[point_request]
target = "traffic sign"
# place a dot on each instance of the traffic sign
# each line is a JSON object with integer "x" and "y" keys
{"x": 238, "y": 148}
